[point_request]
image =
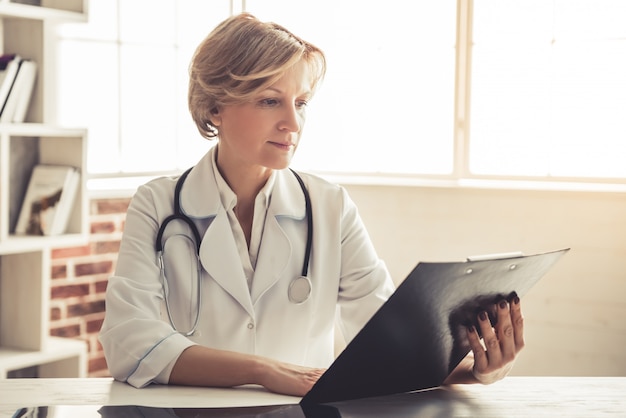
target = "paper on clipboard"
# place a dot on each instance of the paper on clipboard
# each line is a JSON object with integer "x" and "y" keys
{"x": 418, "y": 336}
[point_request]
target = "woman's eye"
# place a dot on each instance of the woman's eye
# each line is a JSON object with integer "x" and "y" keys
{"x": 299, "y": 104}
{"x": 269, "y": 102}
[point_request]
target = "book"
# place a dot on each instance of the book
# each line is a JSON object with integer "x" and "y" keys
{"x": 4, "y": 61}
{"x": 9, "y": 64}
{"x": 18, "y": 100}
{"x": 419, "y": 335}
{"x": 49, "y": 200}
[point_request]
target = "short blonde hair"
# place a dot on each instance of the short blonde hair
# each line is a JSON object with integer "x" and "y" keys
{"x": 240, "y": 57}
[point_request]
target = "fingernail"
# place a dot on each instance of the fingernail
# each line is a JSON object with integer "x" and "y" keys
{"x": 513, "y": 298}
{"x": 471, "y": 328}
{"x": 483, "y": 316}
{"x": 502, "y": 304}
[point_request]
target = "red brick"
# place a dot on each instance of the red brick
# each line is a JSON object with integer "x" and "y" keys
{"x": 106, "y": 247}
{"x": 102, "y": 227}
{"x": 100, "y": 268}
{"x": 71, "y": 252}
{"x": 88, "y": 269}
{"x": 97, "y": 364}
{"x": 55, "y": 314}
{"x": 68, "y": 291}
{"x": 59, "y": 271}
{"x": 99, "y": 346}
{"x": 93, "y": 326}
{"x": 109, "y": 206}
{"x": 101, "y": 286}
{"x": 86, "y": 308}
{"x": 69, "y": 331}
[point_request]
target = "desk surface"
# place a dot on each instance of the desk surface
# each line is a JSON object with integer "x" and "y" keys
{"x": 511, "y": 397}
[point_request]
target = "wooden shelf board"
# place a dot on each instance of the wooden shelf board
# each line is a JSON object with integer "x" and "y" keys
{"x": 25, "y": 11}
{"x": 16, "y": 244}
{"x": 40, "y": 129}
{"x": 56, "y": 349}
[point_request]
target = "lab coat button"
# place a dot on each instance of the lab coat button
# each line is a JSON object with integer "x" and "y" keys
{"x": 250, "y": 325}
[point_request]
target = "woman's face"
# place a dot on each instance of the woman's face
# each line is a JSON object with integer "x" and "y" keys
{"x": 264, "y": 133}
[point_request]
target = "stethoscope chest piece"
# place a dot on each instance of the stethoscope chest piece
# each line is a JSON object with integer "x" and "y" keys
{"x": 299, "y": 290}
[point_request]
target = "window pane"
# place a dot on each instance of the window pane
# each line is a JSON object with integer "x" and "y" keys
{"x": 589, "y": 109}
{"x": 136, "y": 77}
{"x": 195, "y": 19}
{"x": 589, "y": 19}
{"x": 89, "y": 82}
{"x": 148, "y": 21}
{"x": 510, "y": 109}
{"x": 101, "y": 25}
{"x": 387, "y": 102}
{"x": 548, "y": 88}
{"x": 148, "y": 108}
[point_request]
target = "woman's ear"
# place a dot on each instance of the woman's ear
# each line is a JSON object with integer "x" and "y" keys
{"x": 215, "y": 117}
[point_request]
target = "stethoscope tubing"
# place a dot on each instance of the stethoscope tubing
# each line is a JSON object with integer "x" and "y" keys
{"x": 309, "y": 220}
{"x": 178, "y": 214}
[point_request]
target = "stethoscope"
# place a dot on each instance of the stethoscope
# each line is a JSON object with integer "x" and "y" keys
{"x": 299, "y": 289}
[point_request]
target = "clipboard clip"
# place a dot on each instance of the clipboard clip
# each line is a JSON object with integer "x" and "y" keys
{"x": 496, "y": 256}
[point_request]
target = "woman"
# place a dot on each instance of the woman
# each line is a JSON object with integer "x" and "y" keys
{"x": 244, "y": 316}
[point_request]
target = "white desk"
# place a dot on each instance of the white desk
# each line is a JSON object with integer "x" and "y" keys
{"x": 512, "y": 397}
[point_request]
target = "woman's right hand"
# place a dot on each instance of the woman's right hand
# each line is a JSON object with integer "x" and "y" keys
{"x": 288, "y": 379}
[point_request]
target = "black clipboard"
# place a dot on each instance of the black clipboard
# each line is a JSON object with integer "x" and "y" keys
{"x": 418, "y": 336}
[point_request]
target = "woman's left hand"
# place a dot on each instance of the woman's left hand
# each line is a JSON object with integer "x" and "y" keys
{"x": 494, "y": 357}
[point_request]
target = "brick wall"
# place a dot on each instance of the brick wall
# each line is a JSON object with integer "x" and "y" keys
{"x": 79, "y": 279}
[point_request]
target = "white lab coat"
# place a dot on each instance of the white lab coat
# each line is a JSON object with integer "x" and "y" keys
{"x": 347, "y": 278}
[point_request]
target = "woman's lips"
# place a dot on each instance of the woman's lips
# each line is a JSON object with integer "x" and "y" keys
{"x": 286, "y": 146}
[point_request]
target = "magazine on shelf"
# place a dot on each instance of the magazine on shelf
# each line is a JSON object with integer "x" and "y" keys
{"x": 9, "y": 65}
{"x": 49, "y": 200}
{"x": 17, "y": 102}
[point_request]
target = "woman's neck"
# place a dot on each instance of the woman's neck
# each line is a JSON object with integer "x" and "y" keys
{"x": 246, "y": 182}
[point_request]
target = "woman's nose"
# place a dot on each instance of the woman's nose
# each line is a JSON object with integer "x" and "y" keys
{"x": 292, "y": 119}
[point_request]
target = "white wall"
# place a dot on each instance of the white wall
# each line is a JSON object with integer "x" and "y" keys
{"x": 576, "y": 315}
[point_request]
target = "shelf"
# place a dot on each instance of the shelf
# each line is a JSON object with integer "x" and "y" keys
{"x": 25, "y": 11}
{"x": 58, "y": 351}
{"x": 22, "y": 146}
{"x": 39, "y": 129}
{"x": 15, "y": 244}
{"x": 26, "y": 346}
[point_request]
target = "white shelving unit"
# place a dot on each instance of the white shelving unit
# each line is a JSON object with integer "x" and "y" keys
{"x": 25, "y": 342}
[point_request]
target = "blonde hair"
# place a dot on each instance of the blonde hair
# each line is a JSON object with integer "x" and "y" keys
{"x": 240, "y": 57}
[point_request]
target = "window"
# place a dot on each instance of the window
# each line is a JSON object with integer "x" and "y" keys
{"x": 125, "y": 74}
{"x": 497, "y": 88}
{"x": 387, "y": 102}
{"x": 548, "y": 93}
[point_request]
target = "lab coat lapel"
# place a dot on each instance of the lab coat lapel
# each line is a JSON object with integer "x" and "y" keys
{"x": 287, "y": 201}
{"x": 218, "y": 251}
{"x": 273, "y": 257}
{"x": 219, "y": 257}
